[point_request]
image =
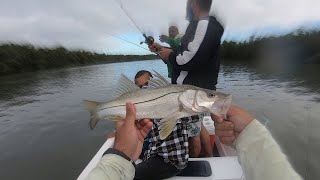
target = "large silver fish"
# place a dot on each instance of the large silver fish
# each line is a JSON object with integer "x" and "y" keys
{"x": 160, "y": 100}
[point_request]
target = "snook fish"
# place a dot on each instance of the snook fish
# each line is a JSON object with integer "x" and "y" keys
{"x": 160, "y": 101}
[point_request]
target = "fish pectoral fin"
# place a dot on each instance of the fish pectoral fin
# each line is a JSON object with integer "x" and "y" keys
{"x": 114, "y": 118}
{"x": 168, "y": 124}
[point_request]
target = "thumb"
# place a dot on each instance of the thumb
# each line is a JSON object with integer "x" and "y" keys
{"x": 217, "y": 119}
{"x": 130, "y": 113}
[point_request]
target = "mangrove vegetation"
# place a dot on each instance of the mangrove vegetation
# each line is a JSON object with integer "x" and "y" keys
{"x": 302, "y": 46}
{"x": 16, "y": 58}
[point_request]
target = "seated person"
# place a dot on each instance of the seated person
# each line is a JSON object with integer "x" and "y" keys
{"x": 142, "y": 78}
{"x": 168, "y": 157}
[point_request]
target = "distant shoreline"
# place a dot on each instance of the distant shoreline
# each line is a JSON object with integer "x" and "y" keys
{"x": 16, "y": 58}
{"x": 300, "y": 47}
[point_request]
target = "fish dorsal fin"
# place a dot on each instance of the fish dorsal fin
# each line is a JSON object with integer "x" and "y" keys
{"x": 125, "y": 86}
{"x": 158, "y": 81}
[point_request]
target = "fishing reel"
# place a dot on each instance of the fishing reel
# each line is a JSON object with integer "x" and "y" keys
{"x": 149, "y": 40}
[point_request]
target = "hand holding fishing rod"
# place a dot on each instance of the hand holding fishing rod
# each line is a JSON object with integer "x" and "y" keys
{"x": 163, "y": 52}
{"x": 154, "y": 47}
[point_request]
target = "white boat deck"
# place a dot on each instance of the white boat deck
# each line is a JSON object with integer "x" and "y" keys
{"x": 223, "y": 168}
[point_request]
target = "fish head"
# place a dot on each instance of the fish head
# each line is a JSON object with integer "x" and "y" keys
{"x": 186, "y": 99}
{"x": 216, "y": 103}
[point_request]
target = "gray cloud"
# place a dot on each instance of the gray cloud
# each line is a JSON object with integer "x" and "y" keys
{"x": 88, "y": 24}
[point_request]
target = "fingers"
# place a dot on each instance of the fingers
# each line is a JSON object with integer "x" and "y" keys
{"x": 155, "y": 47}
{"x": 225, "y": 125}
{"x": 130, "y": 113}
{"x": 216, "y": 118}
{"x": 229, "y": 133}
{"x": 142, "y": 123}
{"x": 144, "y": 126}
{"x": 151, "y": 48}
{"x": 225, "y": 131}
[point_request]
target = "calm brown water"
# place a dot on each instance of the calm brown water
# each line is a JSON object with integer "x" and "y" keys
{"x": 44, "y": 131}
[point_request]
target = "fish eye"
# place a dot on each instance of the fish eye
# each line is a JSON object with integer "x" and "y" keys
{"x": 212, "y": 95}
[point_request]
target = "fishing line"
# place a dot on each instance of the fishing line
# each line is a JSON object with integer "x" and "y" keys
{"x": 147, "y": 40}
{"x": 127, "y": 14}
{"x": 129, "y": 42}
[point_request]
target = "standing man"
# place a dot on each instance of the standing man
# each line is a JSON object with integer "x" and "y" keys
{"x": 196, "y": 61}
{"x": 174, "y": 40}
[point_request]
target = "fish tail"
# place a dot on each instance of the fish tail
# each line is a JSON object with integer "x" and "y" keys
{"x": 92, "y": 108}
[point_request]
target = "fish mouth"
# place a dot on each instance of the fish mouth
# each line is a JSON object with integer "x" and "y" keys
{"x": 218, "y": 107}
{"x": 226, "y": 105}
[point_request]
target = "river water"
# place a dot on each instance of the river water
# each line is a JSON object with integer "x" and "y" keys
{"x": 44, "y": 130}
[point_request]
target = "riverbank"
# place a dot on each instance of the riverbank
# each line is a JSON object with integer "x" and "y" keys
{"x": 16, "y": 58}
{"x": 301, "y": 46}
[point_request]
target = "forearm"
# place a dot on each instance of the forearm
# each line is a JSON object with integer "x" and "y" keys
{"x": 260, "y": 156}
{"x": 113, "y": 167}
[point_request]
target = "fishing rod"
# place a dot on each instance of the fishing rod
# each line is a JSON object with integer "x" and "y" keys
{"x": 149, "y": 40}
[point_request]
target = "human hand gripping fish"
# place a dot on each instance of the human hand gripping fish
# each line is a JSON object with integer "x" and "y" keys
{"x": 161, "y": 100}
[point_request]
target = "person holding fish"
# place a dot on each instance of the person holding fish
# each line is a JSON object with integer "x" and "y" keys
{"x": 194, "y": 77}
{"x": 259, "y": 155}
{"x": 192, "y": 92}
{"x": 163, "y": 155}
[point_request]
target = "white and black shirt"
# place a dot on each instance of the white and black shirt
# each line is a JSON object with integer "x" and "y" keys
{"x": 174, "y": 149}
{"x": 196, "y": 60}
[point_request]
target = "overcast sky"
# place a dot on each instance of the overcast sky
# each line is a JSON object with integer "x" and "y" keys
{"x": 89, "y": 24}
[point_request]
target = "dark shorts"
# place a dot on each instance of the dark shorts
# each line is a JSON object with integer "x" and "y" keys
{"x": 155, "y": 168}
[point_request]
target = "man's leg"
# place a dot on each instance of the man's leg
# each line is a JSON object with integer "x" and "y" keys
{"x": 194, "y": 146}
{"x": 205, "y": 142}
{"x": 155, "y": 168}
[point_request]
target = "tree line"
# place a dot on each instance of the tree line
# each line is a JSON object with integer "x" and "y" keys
{"x": 17, "y": 58}
{"x": 306, "y": 44}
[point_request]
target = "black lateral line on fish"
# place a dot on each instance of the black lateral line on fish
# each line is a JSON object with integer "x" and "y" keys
{"x": 143, "y": 101}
